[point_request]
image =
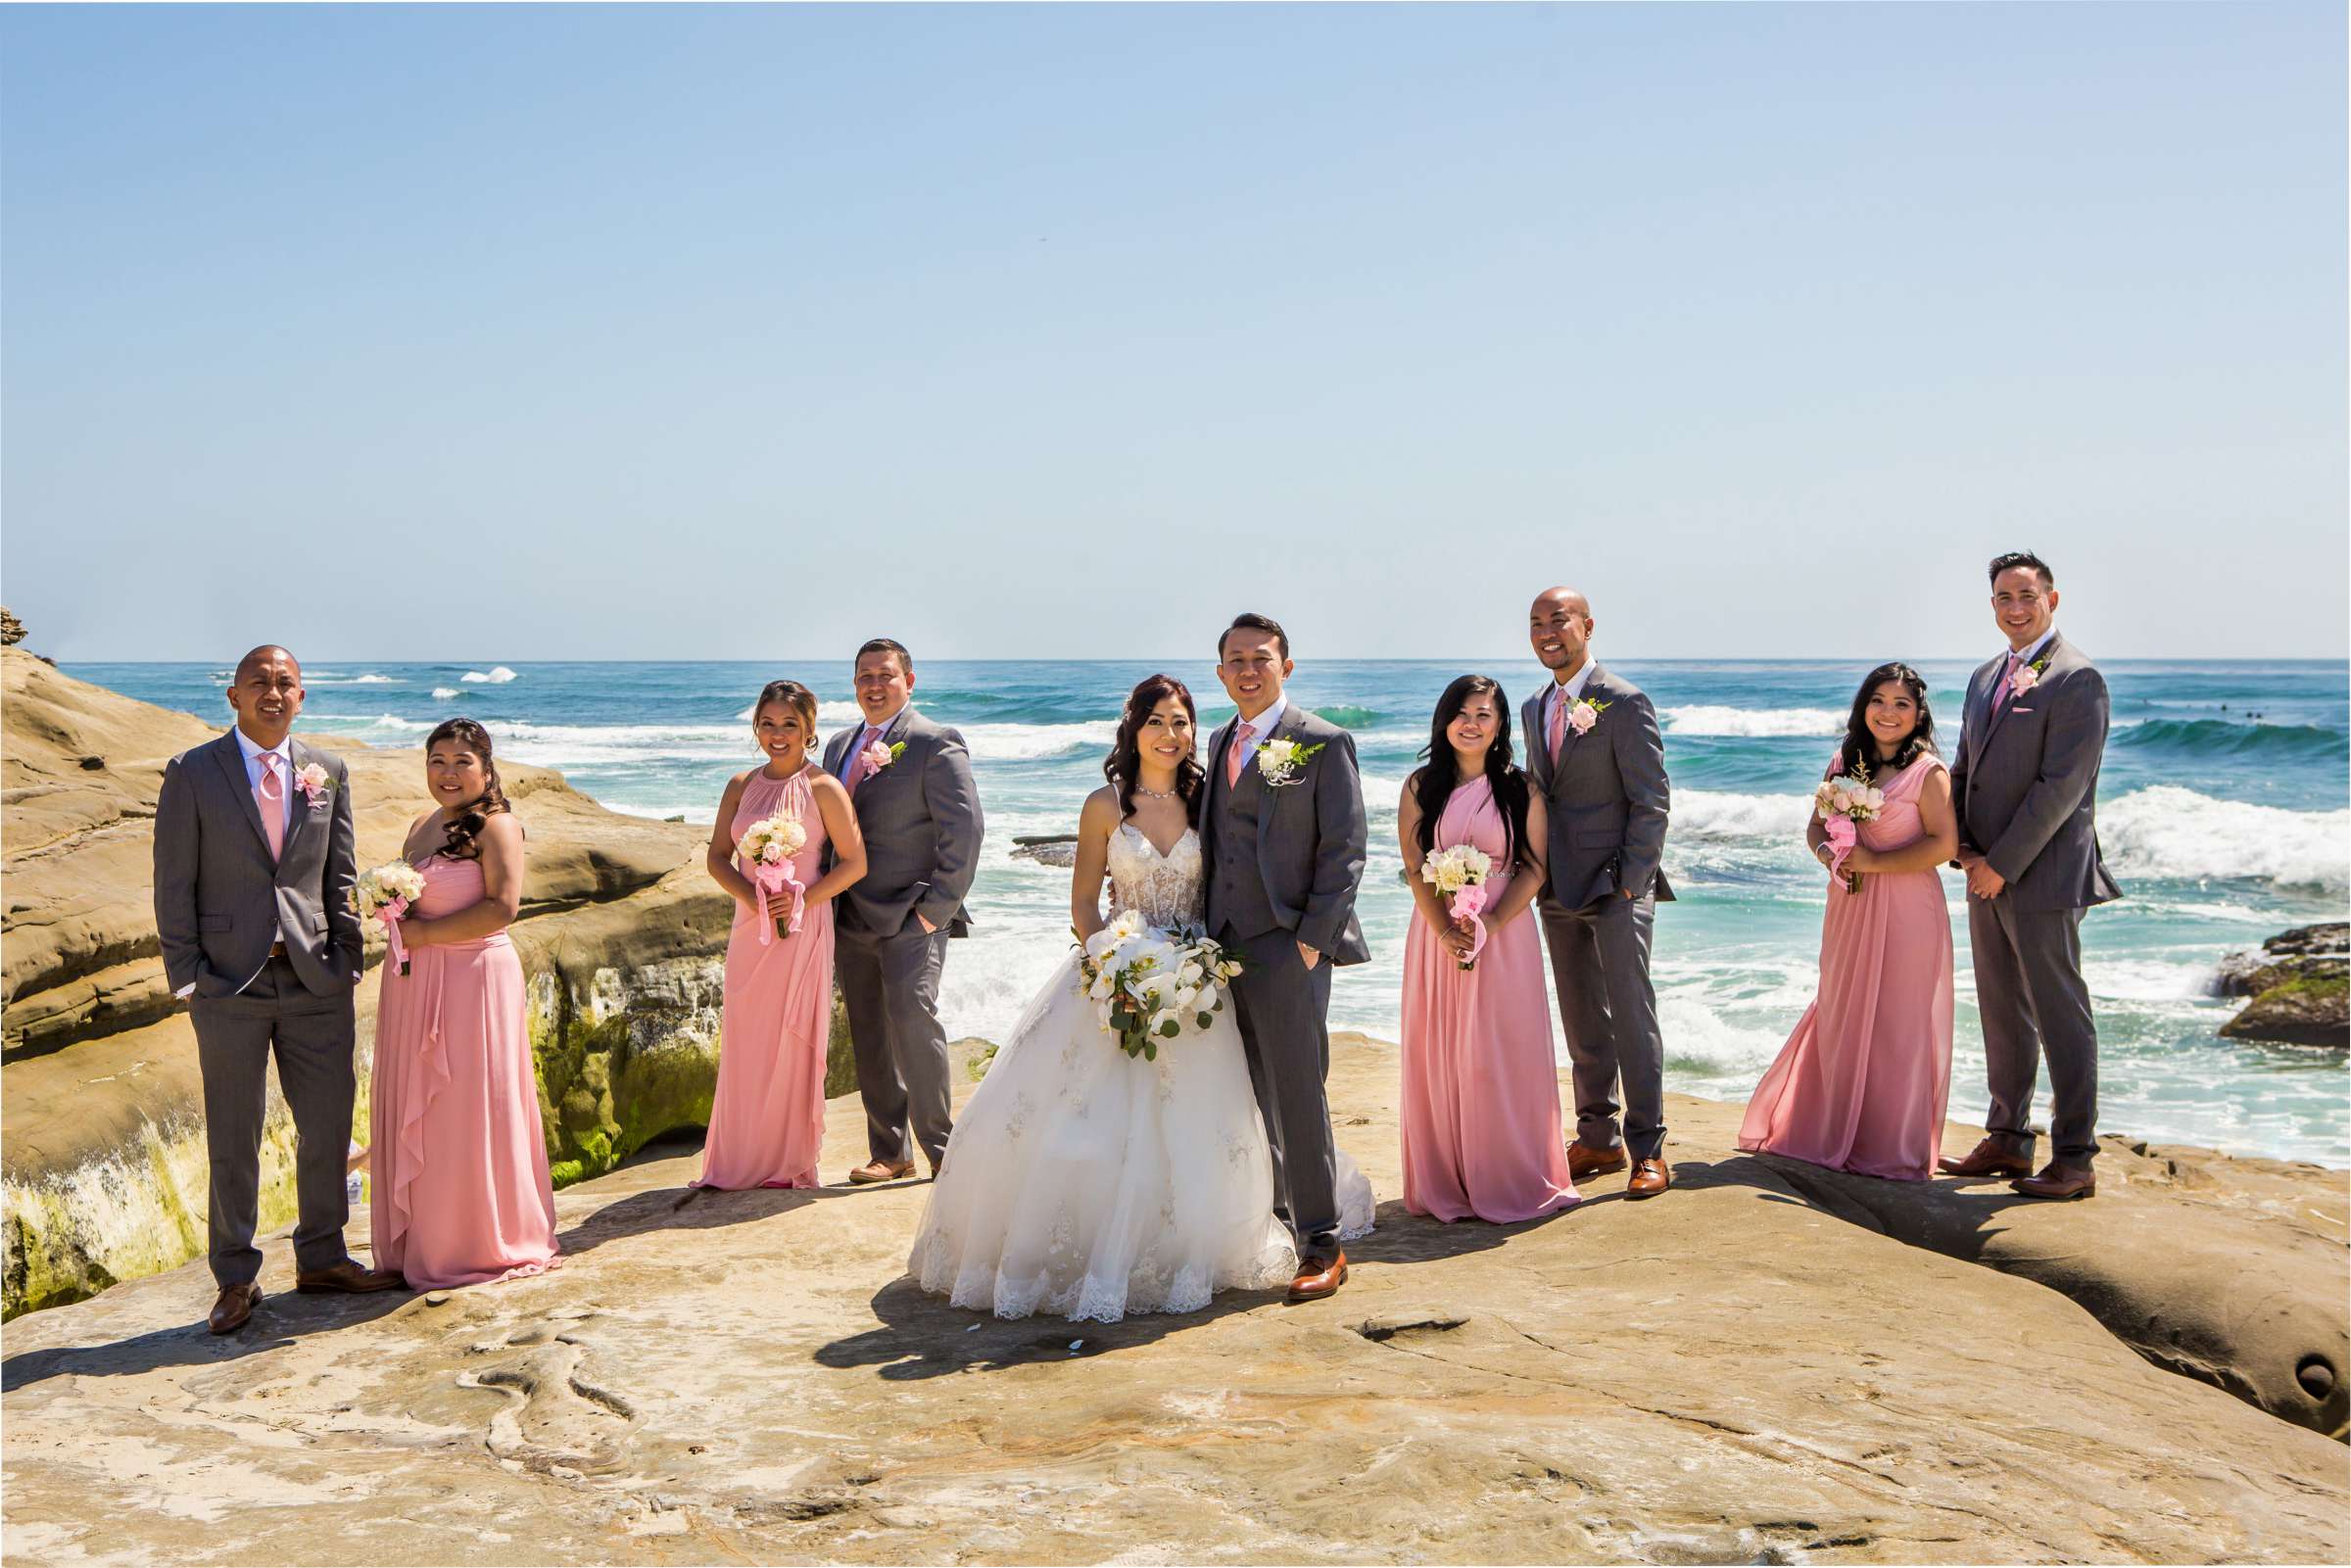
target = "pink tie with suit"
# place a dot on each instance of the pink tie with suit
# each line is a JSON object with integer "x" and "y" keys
{"x": 1232, "y": 755}
{"x": 270, "y": 793}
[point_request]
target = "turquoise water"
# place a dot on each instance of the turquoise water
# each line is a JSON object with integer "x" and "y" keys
{"x": 2222, "y": 809}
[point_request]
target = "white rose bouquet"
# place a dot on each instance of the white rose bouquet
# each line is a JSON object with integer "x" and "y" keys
{"x": 1149, "y": 986}
{"x": 1459, "y": 872}
{"x": 380, "y": 897}
{"x": 1841, "y": 803}
{"x": 766, "y": 850}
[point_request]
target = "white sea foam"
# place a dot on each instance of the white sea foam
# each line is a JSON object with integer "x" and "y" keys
{"x": 445, "y": 693}
{"x": 376, "y": 679}
{"x": 835, "y": 713}
{"x": 1722, "y": 814}
{"x": 498, "y": 675}
{"x": 400, "y": 725}
{"x": 2177, "y": 833}
{"x": 1706, "y": 719}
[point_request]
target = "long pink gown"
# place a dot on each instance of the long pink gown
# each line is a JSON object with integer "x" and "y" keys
{"x": 767, "y": 1117}
{"x": 1481, "y": 1091}
{"x": 1862, "y": 1082}
{"x": 458, "y": 1158}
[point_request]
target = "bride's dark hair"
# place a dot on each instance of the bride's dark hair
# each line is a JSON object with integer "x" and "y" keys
{"x": 1124, "y": 766}
{"x": 463, "y": 837}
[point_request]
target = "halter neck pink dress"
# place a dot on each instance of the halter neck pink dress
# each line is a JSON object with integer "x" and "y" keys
{"x": 1862, "y": 1082}
{"x": 461, "y": 1195}
{"x": 1481, "y": 1089}
{"x": 767, "y": 1117}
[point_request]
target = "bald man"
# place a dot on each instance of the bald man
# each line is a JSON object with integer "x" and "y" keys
{"x": 1598, "y": 761}
{"x": 253, "y": 865}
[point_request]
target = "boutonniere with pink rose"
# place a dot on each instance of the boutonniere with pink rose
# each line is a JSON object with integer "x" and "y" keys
{"x": 878, "y": 756}
{"x": 311, "y": 780}
{"x": 2028, "y": 677}
{"x": 1585, "y": 714}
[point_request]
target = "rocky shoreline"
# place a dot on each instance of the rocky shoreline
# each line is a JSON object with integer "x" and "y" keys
{"x": 2300, "y": 985}
{"x": 1771, "y": 1363}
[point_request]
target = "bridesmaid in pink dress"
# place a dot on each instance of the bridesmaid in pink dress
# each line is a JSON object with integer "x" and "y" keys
{"x": 460, "y": 1158}
{"x": 1481, "y": 1089}
{"x": 1861, "y": 1083}
{"x": 767, "y": 1117}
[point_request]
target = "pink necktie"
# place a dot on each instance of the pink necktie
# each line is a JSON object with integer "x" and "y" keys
{"x": 862, "y": 766}
{"x": 1558, "y": 721}
{"x": 2000, "y": 693}
{"x": 1234, "y": 753}
{"x": 272, "y": 796}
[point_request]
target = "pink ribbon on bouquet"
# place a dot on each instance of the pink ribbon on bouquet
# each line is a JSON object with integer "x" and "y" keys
{"x": 766, "y": 879}
{"x": 1469, "y": 904}
{"x": 1841, "y": 835}
{"x": 394, "y": 948}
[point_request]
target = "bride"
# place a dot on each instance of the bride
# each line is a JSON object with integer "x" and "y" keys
{"x": 1089, "y": 1183}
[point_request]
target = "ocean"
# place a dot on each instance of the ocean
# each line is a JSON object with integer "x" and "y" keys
{"x": 2221, "y": 810}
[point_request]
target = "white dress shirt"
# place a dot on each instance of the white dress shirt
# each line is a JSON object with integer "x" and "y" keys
{"x": 2033, "y": 653}
{"x": 1262, "y": 725}
{"x": 866, "y": 736}
{"x": 1568, "y": 691}
{"x": 284, "y": 752}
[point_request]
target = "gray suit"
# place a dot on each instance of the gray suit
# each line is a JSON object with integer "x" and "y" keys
{"x": 922, "y": 825}
{"x": 1284, "y": 864}
{"x": 220, "y": 905}
{"x": 1607, "y": 797}
{"x": 2025, "y": 787}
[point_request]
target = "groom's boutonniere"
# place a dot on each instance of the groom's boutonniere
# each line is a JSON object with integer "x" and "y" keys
{"x": 1278, "y": 761}
{"x": 879, "y": 757}
{"x": 2028, "y": 677}
{"x": 1585, "y": 714}
{"x": 312, "y": 781}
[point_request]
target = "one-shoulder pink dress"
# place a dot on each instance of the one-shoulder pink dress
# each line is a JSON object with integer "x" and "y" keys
{"x": 1862, "y": 1082}
{"x": 1481, "y": 1089}
{"x": 458, "y": 1161}
{"x": 767, "y": 1116}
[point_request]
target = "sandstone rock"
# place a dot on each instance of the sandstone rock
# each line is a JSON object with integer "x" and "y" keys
{"x": 11, "y": 630}
{"x": 1047, "y": 849}
{"x": 1739, "y": 1371}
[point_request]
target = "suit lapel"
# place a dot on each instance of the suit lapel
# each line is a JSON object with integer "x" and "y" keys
{"x": 231, "y": 757}
{"x": 1567, "y": 735}
{"x": 1220, "y": 739}
{"x": 295, "y": 760}
{"x": 1994, "y": 712}
{"x": 1538, "y": 755}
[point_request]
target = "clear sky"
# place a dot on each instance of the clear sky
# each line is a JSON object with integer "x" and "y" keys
{"x": 673, "y": 332}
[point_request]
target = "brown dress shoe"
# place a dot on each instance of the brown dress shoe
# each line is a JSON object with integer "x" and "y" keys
{"x": 1993, "y": 1157}
{"x": 235, "y": 1306}
{"x": 1650, "y": 1178}
{"x": 348, "y": 1278}
{"x": 874, "y": 1170}
{"x": 2058, "y": 1179}
{"x": 1585, "y": 1162}
{"x": 1318, "y": 1278}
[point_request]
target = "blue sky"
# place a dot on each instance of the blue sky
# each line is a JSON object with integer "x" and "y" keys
{"x": 544, "y": 332}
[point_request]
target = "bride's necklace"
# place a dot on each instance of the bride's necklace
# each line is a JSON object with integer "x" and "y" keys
{"x": 1155, "y": 795}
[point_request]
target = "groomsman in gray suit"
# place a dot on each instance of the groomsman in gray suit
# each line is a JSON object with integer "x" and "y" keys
{"x": 1284, "y": 835}
{"x": 911, "y": 783}
{"x": 253, "y": 871}
{"x": 1600, "y": 766}
{"x": 2025, "y": 784}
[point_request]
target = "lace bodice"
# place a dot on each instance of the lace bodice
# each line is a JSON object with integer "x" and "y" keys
{"x": 1168, "y": 890}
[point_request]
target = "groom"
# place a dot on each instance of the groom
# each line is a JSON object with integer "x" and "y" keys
{"x": 1600, "y": 766}
{"x": 911, "y": 783}
{"x": 2025, "y": 785}
{"x": 1286, "y": 838}
{"x": 253, "y": 863}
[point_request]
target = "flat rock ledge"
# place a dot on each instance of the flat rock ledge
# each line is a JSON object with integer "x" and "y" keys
{"x": 1752, "y": 1368}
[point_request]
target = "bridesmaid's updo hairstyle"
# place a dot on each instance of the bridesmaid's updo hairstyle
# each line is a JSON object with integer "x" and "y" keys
{"x": 1433, "y": 784}
{"x": 461, "y": 838}
{"x": 1861, "y": 748}
{"x": 1124, "y": 766}
{"x": 795, "y": 696}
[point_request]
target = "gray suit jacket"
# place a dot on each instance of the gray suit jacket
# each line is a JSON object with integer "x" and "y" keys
{"x": 1608, "y": 796}
{"x": 921, "y": 826}
{"x": 1311, "y": 834}
{"x": 2025, "y": 782}
{"x": 219, "y": 901}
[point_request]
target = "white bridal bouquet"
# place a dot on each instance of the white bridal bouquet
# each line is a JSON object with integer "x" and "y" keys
{"x": 380, "y": 897}
{"x": 1840, "y": 803}
{"x": 1149, "y": 986}
{"x": 766, "y": 849}
{"x": 1459, "y": 874}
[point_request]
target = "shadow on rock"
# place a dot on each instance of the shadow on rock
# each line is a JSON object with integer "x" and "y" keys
{"x": 277, "y": 1321}
{"x": 921, "y": 1336}
{"x": 688, "y": 1209}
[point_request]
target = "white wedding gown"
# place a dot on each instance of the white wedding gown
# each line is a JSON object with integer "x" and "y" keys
{"x": 1088, "y": 1184}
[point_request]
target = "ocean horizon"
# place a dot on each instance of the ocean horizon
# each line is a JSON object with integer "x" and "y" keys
{"x": 2222, "y": 812}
